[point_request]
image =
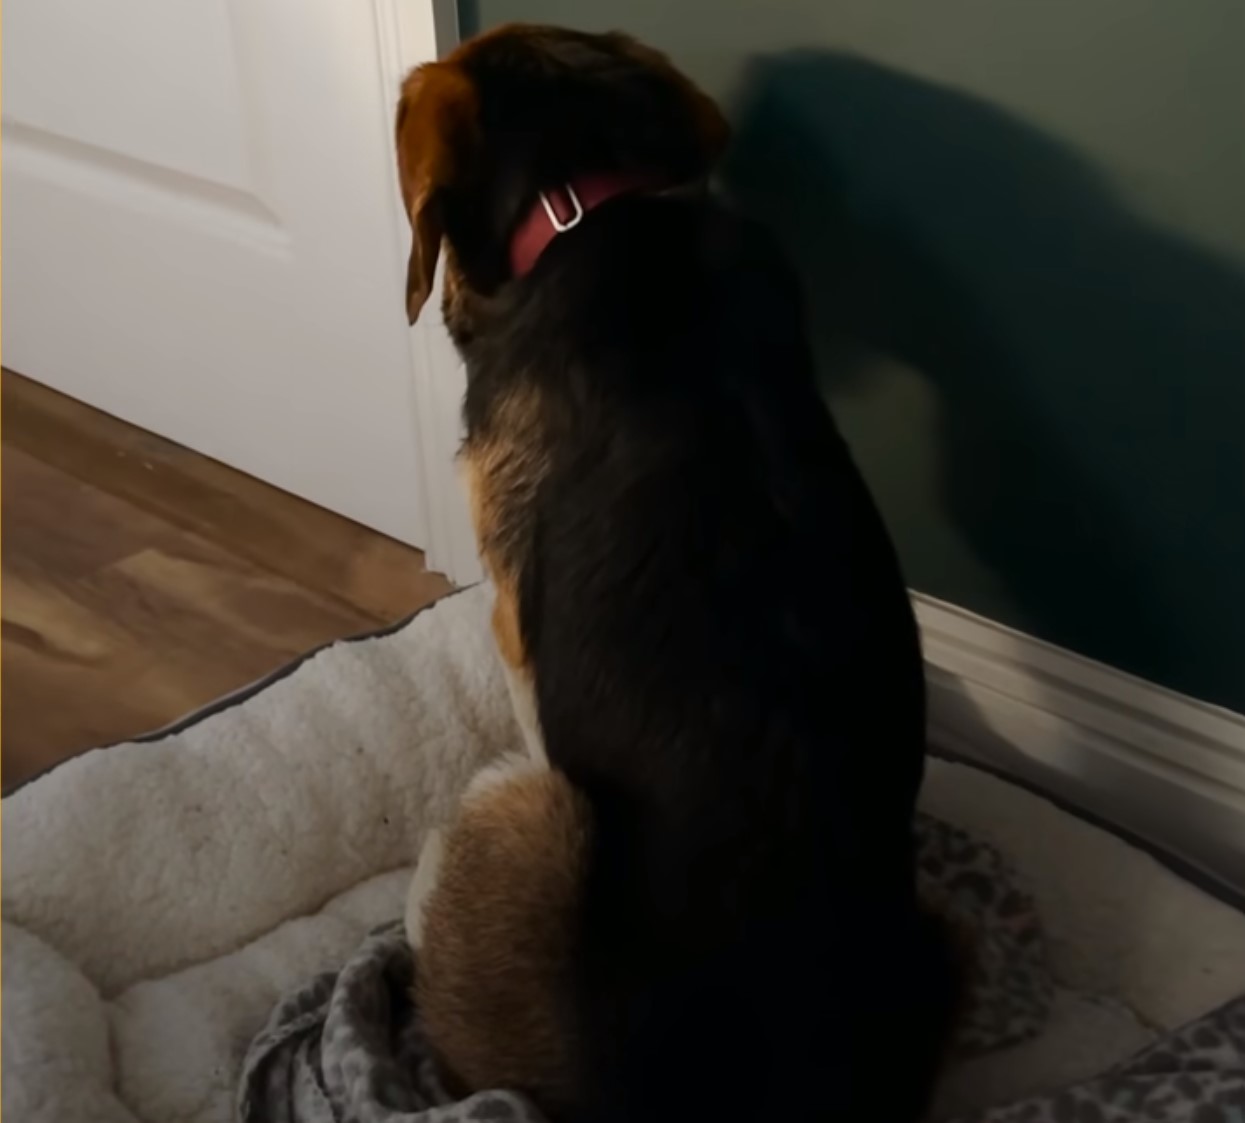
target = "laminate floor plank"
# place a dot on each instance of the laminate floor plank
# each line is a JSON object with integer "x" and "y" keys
{"x": 310, "y": 545}
{"x": 141, "y": 581}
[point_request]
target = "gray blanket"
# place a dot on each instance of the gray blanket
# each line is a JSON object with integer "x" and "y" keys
{"x": 346, "y": 1047}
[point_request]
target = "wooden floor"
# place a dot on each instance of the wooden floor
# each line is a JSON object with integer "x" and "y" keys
{"x": 141, "y": 580}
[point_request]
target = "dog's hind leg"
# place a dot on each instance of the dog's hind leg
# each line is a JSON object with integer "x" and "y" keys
{"x": 428, "y": 868}
{"x": 498, "y": 935}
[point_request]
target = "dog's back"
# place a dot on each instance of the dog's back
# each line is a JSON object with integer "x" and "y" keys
{"x": 727, "y": 667}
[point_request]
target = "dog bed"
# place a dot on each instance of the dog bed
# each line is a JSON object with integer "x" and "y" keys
{"x": 161, "y": 899}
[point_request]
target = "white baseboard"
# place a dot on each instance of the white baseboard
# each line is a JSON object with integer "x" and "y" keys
{"x": 1165, "y": 767}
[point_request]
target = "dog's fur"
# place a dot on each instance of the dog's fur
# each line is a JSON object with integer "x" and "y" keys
{"x": 706, "y": 908}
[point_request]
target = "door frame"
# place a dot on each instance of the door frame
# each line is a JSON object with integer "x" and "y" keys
{"x": 410, "y": 32}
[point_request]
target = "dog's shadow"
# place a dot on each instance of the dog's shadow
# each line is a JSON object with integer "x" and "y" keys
{"x": 1089, "y": 369}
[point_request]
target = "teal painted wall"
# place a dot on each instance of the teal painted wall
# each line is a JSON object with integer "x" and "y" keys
{"x": 1021, "y": 226}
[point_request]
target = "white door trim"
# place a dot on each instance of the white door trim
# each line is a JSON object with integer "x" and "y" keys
{"x": 410, "y": 32}
{"x": 1168, "y": 768}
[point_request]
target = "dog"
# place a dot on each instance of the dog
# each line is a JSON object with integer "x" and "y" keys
{"x": 693, "y": 897}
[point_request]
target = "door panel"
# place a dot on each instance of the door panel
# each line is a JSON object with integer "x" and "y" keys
{"x": 71, "y": 72}
{"x": 200, "y": 236}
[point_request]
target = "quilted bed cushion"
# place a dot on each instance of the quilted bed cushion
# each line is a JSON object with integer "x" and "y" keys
{"x": 159, "y": 897}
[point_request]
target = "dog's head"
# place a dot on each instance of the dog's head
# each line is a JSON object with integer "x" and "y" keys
{"x": 522, "y": 109}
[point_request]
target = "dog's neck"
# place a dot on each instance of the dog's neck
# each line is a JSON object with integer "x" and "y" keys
{"x": 562, "y": 208}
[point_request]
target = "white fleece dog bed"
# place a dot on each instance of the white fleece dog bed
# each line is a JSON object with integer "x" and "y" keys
{"x": 160, "y": 897}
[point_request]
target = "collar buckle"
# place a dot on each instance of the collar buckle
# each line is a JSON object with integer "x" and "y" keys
{"x": 577, "y": 212}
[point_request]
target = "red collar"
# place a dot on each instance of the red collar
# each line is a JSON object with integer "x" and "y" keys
{"x": 563, "y": 207}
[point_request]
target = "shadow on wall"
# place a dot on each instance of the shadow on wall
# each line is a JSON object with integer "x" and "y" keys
{"x": 1089, "y": 368}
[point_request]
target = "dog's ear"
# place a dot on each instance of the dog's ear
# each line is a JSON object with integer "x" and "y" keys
{"x": 709, "y": 128}
{"x": 437, "y": 138}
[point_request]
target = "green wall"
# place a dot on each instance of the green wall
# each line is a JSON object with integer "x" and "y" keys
{"x": 1021, "y": 224}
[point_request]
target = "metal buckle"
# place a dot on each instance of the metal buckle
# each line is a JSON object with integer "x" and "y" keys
{"x": 556, "y": 222}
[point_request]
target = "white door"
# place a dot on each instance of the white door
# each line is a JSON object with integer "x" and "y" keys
{"x": 201, "y": 235}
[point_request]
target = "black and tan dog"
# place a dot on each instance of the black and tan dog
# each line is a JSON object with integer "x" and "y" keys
{"x": 695, "y": 900}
